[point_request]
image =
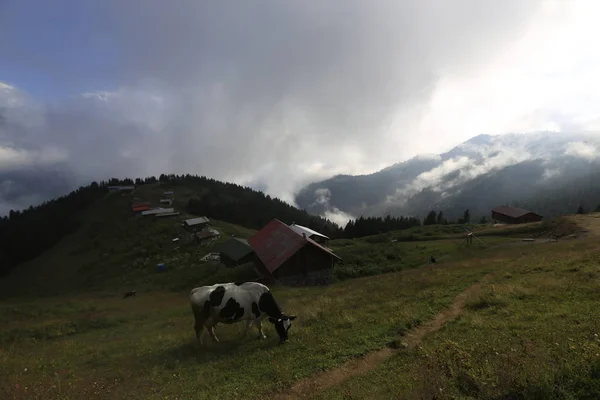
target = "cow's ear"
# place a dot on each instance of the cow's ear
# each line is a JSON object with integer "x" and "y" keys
{"x": 272, "y": 320}
{"x": 292, "y": 317}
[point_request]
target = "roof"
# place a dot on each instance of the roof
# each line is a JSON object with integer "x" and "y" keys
{"x": 167, "y": 214}
{"x": 158, "y": 211}
{"x": 235, "y": 248}
{"x": 512, "y": 212}
{"x": 276, "y": 242}
{"x": 299, "y": 229}
{"x": 196, "y": 221}
{"x": 207, "y": 234}
{"x": 140, "y": 208}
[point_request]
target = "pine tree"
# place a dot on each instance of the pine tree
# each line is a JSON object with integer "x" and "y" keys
{"x": 430, "y": 219}
{"x": 440, "y": 217}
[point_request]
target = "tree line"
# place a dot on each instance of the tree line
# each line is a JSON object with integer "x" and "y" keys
{"x": 362, "y": 226}
{"x": 438, "y": 218}
{"x": 376, "y": 225}
{"x": 241, "y": 205}
{"x": 28, "y": 233}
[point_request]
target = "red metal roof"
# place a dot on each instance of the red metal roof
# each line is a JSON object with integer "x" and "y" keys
{"x": 140, "y": 208}
{"x": 512, "y": 212}
{"x": 275, "y": 243}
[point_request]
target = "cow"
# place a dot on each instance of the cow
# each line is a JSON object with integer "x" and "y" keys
{"x": 230, "y": 303}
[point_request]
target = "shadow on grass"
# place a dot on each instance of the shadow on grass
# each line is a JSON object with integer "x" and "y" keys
{"x": 192, "y": 351}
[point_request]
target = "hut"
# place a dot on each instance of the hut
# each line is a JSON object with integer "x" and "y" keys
{"x": 235, "y": 251}
{"x": 166, "y": 214}
{"x": 514, "y": 215}
{"x": 158, "y": 210}
{"x": 205, "y": 235}
{"x": 139, "y": 207}
{"x": 292, "y": 259}
{"x": 195, "y": 223}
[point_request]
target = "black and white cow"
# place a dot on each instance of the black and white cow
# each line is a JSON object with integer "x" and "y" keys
{"x": 229, "y": 303}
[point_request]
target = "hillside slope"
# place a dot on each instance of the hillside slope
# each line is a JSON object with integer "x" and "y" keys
{"x": 116, "y": 250}
{"x": 74, "y": 245}
{"x": 529, "y": 170}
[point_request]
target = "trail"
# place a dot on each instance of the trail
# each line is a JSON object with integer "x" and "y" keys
{"x": 322, "y": 381}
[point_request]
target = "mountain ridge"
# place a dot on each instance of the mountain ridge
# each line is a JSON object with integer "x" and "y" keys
{"x": 478, "y": 174}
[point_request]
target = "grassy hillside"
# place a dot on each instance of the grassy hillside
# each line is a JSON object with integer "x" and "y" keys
{"x": 28, "y": 233}
{"x": 115, "y": 249}
{"x": 531, "y": 333}
{"x": 536, "y": 303}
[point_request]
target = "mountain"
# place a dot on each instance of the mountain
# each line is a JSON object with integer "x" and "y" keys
{"x": 550, "y": 173}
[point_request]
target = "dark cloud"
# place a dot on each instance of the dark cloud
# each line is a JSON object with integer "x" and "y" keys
{"x": 270, "y": 93}
{"x": 22, "y": 188}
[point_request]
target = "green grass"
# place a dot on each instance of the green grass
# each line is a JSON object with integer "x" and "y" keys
{"x": 95, "y": 343}
{"x": 533, "y": 333}
{"x": 375, "y": 255}
{"x": 144, "y": 347}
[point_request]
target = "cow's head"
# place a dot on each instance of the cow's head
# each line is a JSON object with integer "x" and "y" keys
{"x": 283, "y": 323}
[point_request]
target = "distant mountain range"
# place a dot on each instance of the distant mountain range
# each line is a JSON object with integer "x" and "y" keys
{"x": 549, "y": 173}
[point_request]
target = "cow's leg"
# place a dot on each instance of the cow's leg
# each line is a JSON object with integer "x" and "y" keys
{"x": 199, "y": 329}
{"x": 247, "y": 328}
{"x": 198, "y": 323}
{"x": 211, "y": 330}
{"x": 258, "y": 324}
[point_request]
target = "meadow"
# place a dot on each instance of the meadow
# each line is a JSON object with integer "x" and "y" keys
{"x": 144, "y": 346}
{"x": 528, "y": 331}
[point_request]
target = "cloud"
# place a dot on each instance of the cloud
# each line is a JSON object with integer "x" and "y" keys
{"x": 332, "y": 213}
{"x": 581, "y": 149}
{"x": 475, "y": 159}
{"x": 278, "y": 94}
{"x": 550, "y": 173}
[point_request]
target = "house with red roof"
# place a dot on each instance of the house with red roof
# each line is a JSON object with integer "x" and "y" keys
{"x": 291, "y": 258}
{"x": 139, "y": 207}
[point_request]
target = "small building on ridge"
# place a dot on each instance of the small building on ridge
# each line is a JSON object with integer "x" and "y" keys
{"x": 514, "y": 215}
{"x": 235, "y": 251}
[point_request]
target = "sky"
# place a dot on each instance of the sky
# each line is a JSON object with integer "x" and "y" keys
{"x": 276, "y": 94}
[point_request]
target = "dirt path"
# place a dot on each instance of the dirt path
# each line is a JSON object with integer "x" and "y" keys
{"x": 322, "y": 381}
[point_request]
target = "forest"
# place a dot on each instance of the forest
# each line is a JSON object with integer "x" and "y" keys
{"x": 28, "y": 233}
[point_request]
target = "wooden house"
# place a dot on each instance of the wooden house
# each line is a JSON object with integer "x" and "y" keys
{"x": 287, "y": 257}
{"x": 514, "y": 215}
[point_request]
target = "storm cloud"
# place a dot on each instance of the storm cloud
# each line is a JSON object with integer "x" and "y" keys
{"x": 266, "y": 93}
